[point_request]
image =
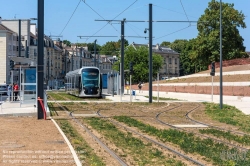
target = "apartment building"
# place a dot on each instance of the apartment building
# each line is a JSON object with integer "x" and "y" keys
{"x": 171, "y": 60}
{"x": 53, "y": 63}
{"x": 8, "y": 44}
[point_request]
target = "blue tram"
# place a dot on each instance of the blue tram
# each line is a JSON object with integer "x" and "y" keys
{"x": 84, "y": 82}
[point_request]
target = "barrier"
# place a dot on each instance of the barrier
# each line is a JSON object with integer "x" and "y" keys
{"x": 42, "y": 105}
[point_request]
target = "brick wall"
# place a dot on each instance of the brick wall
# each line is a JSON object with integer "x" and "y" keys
{"x": 239, "y": 61}
{"x": 227, "y": 90}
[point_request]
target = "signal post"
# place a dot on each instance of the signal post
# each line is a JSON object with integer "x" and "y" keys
{"x": 212, "y": 73}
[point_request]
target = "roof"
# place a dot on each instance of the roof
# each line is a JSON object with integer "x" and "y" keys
{"x": 31, "y": 62}
{"x": 2, "y": 27}
{"x": 157, "y": 48}
{"x": 33, "y": 36}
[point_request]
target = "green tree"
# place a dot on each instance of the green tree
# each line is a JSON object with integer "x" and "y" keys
{"x": 110, "y": 48}
{"x": 208, "y": 40}
{"x": 139, "y": 58}
{"x": 68, "y": 43}
{"x": 91, "y": 48}
{"x": 165, "y": 43}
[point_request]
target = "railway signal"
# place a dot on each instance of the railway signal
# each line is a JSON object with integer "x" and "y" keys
{"x": 212, "y": 73}
{"x": 131, "y": 71}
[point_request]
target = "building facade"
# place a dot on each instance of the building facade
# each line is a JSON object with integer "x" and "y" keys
{"x": 171, "y": 60}
{"x": 8, "y": 44}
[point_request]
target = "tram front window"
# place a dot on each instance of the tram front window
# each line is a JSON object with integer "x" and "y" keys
{"x": 90, "y": 79}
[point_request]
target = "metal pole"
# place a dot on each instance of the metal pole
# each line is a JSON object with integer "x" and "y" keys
{"x": 81, "y": 57}
{"x": 40, "y": 60}
{"x": 26, "y": 49}
{"x": 72, "y": 61}
{"x": 212, "y": 87}
{"x": 95, "y": 53}
{"x": 150, "y": 53}
{"x": 48, "y": 72}
{"x": 157, "y": 87}
{"x": 113, "y": 88}
{"x": 65, "y": 63}
{"x": 122, "y": 57}
{"x": 19, "y": 39}
{"x": 11, "y": 98}
{"x": 130, "y": 78}
{"x": 120, "y": 85}
{"x": 221, "y": 86}
{"x": 76, "y": 55}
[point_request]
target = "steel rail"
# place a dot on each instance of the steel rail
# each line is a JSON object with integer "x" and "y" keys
{"x": 212, "y": 126}
{"x": 154, "y": 141}
{"x": 201, "y": 135}
{"x": 108, "y": 150}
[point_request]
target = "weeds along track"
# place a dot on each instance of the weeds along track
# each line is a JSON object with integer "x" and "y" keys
{"x": 102, "y": 144}
{"x": 189, "y": 117}
{"x": 157, "y": 124}
{"x": 160, "y": 144}
{"x": 184, "y": 119}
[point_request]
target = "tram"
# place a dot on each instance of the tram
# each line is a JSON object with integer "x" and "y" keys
{"x": 84, "y": 82}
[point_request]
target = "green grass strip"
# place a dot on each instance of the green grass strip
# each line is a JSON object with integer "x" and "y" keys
{"x": 55, "y": 96}
{"x": 229, "y": 115}
{"x": 245, "y": 140}
{"x": 143, "y": 154}
{"x": 188, "y": 142}
{"x": 80, "y": 145}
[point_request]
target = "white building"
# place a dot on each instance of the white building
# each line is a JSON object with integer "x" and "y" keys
{"x": 8, "y": 44}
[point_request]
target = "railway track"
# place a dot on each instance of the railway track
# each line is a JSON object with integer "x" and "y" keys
{"x": 153, "y": 141}
{"x": 102, "y": 144}
{"x": 212, "y": 126}
{"x": 186, "y": 116}
{"x": 157, "y": 117}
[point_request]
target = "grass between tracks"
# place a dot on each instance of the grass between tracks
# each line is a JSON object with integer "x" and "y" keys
{"x": 142, "y": 153}
{"x": 245, "y": 140}
{"x": 229, "y": 115}
{"x": 190, "y": 143}
{"x": 84, "y": 151}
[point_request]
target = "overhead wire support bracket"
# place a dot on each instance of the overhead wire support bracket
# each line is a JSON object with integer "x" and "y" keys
{"x": 111, "y": 36}
{"x": 148, "y": 21}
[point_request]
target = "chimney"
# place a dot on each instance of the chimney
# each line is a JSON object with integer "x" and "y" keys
{"x": 0, "y": 20}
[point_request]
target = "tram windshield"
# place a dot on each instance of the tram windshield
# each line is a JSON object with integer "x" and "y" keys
{"x": 90, "y": 78}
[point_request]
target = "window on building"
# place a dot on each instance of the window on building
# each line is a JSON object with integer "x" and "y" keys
{"x": 175, "y": 60}
{"x": 176, "y": 72}
{"x": 170, "y": 61}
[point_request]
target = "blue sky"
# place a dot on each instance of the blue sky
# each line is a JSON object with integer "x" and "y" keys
{"x": 60, "y": 18}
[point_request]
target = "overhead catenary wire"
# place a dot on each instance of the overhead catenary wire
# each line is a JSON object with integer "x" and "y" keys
{"x": 173, "y": 32}
{"x": 114, "y": 18}
{"x": 184, "y": 11}
{"x": 174, "y": 11}
{"x": 70, "y": 17}
{"x": 99, "y": 15}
